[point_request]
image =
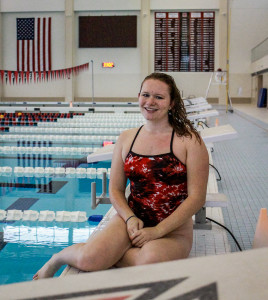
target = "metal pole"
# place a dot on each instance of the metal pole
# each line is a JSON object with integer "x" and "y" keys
{"x": 210, "y": 80}
{"x": 228, "y": 57}
{"x": 92, "y": 81}
{"x": 93, "y": 195}
{"x": 104, "y": 184}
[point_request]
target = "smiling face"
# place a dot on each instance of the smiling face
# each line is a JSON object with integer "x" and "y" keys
{"x": 154, "y": 100}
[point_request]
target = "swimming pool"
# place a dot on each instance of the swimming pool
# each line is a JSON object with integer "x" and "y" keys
{"x": 26, "y": 245}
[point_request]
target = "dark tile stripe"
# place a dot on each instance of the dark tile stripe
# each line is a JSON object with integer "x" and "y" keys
{"x": 23, "y": 203}
{"x": 51, "y": 188}
{"x": 2, "y": 243}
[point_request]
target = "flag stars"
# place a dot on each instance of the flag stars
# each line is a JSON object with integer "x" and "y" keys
{"x": 25, "y": 28}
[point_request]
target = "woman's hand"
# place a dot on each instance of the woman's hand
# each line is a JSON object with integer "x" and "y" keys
{"x": 134, "y": 224}
{"x": 144, "y": 235}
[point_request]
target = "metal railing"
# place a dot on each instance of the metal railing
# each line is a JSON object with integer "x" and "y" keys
{"x": 103, "y": 199}
{"x": 260, "y": 50}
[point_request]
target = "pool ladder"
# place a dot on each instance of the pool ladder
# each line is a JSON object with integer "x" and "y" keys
{"x": 103, "y": 199}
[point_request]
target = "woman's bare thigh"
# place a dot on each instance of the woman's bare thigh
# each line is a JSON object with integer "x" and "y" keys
{"x": 109, "y": 244}
{"x": 175, "y": 245}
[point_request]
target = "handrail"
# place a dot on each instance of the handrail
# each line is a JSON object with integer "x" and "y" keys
{"x": 260, "y": 50}
{"x": 103, "y": 199}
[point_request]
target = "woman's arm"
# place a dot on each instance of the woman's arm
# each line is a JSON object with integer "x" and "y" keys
{"x": 117, "y": 185}
{"x": 197, "y": 163}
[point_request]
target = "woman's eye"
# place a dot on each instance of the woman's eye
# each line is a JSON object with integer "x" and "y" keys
{"x": 145, "y": 95}
{"x": 159, "y": 97}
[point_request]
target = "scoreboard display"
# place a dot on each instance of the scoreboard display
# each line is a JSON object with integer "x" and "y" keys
{"x": 184, "y": 41}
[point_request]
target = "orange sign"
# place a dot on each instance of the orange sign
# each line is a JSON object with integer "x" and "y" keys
{"x": 105, "y": 143}
{"x": 108, "y": 65}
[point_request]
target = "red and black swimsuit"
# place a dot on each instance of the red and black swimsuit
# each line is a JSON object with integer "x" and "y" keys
{"x": 158, "y": 184}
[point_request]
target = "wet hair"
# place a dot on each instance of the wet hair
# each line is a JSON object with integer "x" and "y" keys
{"x": 177, "y": 116}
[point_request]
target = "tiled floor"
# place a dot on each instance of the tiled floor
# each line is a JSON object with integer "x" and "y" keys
{"x": 260, "y": 114}
{"x": 243, "y": 165}
{"x": 211, "y": 242}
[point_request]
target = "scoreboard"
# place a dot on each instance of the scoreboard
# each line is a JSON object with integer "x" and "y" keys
{"x": 184, "y": 41}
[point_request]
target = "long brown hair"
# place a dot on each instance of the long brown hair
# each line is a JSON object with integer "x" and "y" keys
{"x": 177, "y": 116}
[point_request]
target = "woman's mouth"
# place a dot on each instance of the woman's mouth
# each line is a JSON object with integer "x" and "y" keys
{"x": 150, "y": 109}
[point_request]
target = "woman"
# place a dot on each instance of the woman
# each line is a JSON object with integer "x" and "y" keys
{"x": 167, "y": 164}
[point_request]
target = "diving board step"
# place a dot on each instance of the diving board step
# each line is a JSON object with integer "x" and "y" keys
{"x": 218, "y": 133}
{"x": 212, "y": 186}
{"x": 197, "y": 107}
{"x": 216, "y": 200}
{"x": 209, "y": 135}
{"x": 104, "y": 153}
{"x": 192, "y": 101}
{"x": 202, "y": 114}
{"x": 212, "y": 200}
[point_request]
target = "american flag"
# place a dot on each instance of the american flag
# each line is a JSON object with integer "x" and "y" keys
{"x": 33, "y": 44}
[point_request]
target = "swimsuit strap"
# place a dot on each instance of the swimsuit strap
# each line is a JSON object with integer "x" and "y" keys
{"x": 135, "y": 138}
{"x": 171, "y": 141}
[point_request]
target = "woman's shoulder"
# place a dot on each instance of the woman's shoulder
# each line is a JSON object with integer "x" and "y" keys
{"x": 125, "y": 139}
{"x": 127, "y": 134}
{"x": 185, "y": 144}
{"x": 189, "y": 140}
{"x": 195, "y": 146}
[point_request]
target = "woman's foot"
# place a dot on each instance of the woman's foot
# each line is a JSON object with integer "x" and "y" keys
{"x": 48, "y": 270}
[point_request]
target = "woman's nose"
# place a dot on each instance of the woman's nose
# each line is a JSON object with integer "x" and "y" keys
{"x": 150, "y": 100}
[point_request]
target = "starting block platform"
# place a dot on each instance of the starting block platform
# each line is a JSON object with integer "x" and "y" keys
{"x": 218, "y": 133}
{"x": 202, "y": 114}
{"x": 232, "y": 276}
{"x": 209, "y": 135}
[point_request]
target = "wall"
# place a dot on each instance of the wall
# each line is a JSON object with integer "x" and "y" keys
{"x": 192, "y": 84}
{"x": 185, "y": 4}
{"x": 9, "y": 48}
{"x": 31, "y": 5}
{"x": 249, "y": 26}
{"x": 121, "y": 81}
{"x": 106, "y": 5}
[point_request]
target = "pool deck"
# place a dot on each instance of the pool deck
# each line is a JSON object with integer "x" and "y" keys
{"x": 233, "y": 276}
{"x": 215, "y": 269}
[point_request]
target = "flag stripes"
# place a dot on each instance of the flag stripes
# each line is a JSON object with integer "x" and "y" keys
{"x": 34, "y": 44}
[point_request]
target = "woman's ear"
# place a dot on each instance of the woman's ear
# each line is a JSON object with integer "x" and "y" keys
{"x": 139, "y": 95}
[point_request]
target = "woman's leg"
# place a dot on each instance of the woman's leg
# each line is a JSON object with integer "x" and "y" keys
{"x": 100, "y": 252}
{"x": 176, "y": 245}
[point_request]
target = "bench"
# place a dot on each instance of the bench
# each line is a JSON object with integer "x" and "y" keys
{"x": 213, "y": 198}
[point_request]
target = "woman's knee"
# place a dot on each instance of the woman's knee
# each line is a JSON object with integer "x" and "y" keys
{"x": 149, "y": 257}
{"x": 172, "y": 250}
{"x": 89, "y": 260}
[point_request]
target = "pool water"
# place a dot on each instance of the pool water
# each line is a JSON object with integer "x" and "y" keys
{"x": 26, "y": 245}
